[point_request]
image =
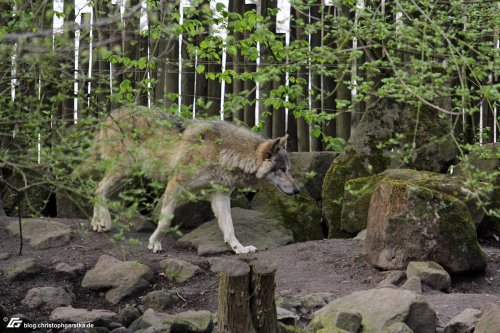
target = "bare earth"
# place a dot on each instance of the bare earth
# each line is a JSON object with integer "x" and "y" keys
{"x": 336, "y": 266}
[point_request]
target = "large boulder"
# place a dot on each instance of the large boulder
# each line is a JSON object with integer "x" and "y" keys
{"x": 82, "y": 316}
{"x": 22, "y": 269}
{"x": 359, "y": 191}
{"x": 121, "y": 278}
{"x": 47, "y": 298}
{"x": 251, "y": 228}
{"x": 490, "y": 320}
{"x": 412, "y": 223}
{"x": 483, "y": 165}
{"x": 186, "y": 322}
{"x": 379, "y": 308}
{"x": 42, "y": 233}
{"x": 388, "y": 137}
{"x": 300, "y": 213}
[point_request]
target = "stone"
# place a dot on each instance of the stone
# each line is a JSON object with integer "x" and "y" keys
{"x": 300, "y": 213}
{"x": 483, "y": 164}
{"x": 361, "y": 235}
{"x": 121, "y": 330}
{"x": 399, "y": 212}
{"x": 120, "y": 278}
{"x": 358, "y": 193}
{"x": 251, "y": 228}
{"x": 430, "y": 273}
{"x": 73, "y": 204}
{"x": 315, "y": 300}
{"x": 74, "y": 315}
{"x": 490, "y": 320}
{"x": 47, "y": 298}
{"x": 394, "y": 278}
{"x": 65, "y": 270}
{"x": 379, "y": 308}
{"x": 177, "y": 270}
{"x": 186, "y": 322}
{"x": 4, "y": 255}
{"x": 348, "y": 321}
{"x": 283, "y": 328}
{"x": 42, "y": 233}
{"x": 128, "y": 314}
{"x": 215, "y": 264}
{"x": 22, "y": 269}
{"x": 399, "y": 328}
{"x": 287, "y": 317}
{"x": 413, "y": 284}
{"x": 160, "y": 300}
{"x": 365, "y": 153}
{"x": 464, "y": 322}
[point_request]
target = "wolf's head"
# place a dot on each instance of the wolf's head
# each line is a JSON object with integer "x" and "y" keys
{"x": 276, "y": 166}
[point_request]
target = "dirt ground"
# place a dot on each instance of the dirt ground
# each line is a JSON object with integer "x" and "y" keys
{"x": 336, "y": 266}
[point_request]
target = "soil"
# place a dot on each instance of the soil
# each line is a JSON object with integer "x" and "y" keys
{"x": 336, "y": 266}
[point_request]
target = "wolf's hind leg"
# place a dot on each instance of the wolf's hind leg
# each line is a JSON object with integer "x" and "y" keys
{"x": 221, "y": 205}
{"x": 101, "y": 221}
{"x": 169, "y": 202}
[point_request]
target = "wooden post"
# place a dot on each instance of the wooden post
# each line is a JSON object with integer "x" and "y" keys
{"x": 233, "y": 314}
{"x": 246, "y": 297}
{"x": 249, "y": 67}
{"x": 262, "y": 305}
{"x": 343, "y": 91}
{"x": 238, "y": 85}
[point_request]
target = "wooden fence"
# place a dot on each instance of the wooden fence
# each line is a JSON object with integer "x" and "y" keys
{"x": 117, "y": 45}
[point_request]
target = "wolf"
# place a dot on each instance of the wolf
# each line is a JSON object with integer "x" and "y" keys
{"x": 209, "y": 157}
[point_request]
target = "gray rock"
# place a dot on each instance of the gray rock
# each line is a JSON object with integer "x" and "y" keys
{"x": 160, "y": 300}
{"x": 65, "y": 270}
{"x": 124, "y": 278}
{"x": 430, "y": 273}
{"x": 121, "y": 330}
{"x": 215, "y": 264}
{"x": 178, "y": 270}
{"x": 399, "y": 328}
{"x": 128, "y": 314}
{"x": 283, "y": 328}
{"x": 22, "y": 269}
{"x": 315, "y": 300}
{"x": 394, "y": 278}
{"x": 287, "y": 317}
{"x": 4, "y": 255}
{"x": 413, "y": 284}
{"x": 464, "y": 322}
{"x": 348, "y": 321}
{"x": 379, "y": 308}
{"x": 73, "y": 315}
{"x": 47, "y": 298}
{"x": 251, "y": 228}
{"x": 490, "y": 320}
{"x": 398, "y": 214}
{"x": 186, "y": 322}
{"x": 42, "y": 233}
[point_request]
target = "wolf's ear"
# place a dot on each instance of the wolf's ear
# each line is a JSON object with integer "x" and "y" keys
{"x": 283, "y": 140}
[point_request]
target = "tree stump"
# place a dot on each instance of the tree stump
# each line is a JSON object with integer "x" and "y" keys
{"x": 246, "y": 297}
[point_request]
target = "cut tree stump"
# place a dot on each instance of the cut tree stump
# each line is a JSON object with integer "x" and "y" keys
{"x": 246, "y": 297}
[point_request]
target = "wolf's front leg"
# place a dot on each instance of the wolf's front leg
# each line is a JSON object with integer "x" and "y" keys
{"x": 101, "y": 221}
{"x": 168, "y": 204}
{"x": 221, "y": 205}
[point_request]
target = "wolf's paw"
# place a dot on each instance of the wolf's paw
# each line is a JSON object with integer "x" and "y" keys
{"x": 245, "y": 249}
{"x": 155, "y": 246}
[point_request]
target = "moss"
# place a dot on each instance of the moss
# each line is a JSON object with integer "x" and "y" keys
{"x": 301, "y": 214}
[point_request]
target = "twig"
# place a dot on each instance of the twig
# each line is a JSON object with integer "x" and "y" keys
{"x": 20, "y": 225}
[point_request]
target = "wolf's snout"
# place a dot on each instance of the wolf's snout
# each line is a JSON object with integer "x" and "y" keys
{"x": 296, "y": 190}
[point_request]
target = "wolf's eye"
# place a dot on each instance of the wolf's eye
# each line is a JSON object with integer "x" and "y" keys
{"x": 283, "y": 169}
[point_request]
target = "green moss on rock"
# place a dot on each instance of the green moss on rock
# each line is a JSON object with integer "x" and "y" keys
{"x": 358, "y": 193}
{"x": 300, "y": 213}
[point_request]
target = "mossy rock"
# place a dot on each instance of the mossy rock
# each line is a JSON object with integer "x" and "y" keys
{"x": 483, "y": 164}
{"x": 423, "y": 143}
{"x": 299, "y": 213}
{"x": 358, "y": 193}
{"x": 408, "y": 223}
